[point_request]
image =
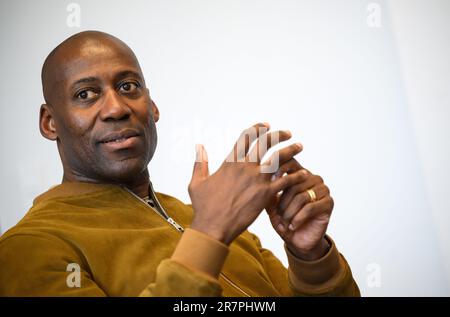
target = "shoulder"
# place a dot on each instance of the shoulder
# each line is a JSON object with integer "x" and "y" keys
{"x": 20, "y": 239}
{"x": 33, "y": 263}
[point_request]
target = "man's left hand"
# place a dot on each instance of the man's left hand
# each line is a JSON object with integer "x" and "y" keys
{"x": 300, "y": 218}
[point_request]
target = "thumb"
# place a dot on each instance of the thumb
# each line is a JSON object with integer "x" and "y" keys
{"x": 201, "y": 170}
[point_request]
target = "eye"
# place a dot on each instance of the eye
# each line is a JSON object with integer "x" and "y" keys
{"x": 86, "y": 94}
{"x": 128, "y": 87}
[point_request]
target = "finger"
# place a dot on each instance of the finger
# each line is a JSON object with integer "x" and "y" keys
{"x": 288, "y": 167}
{"x": 300, "y": 200}
{"x": 265, "y": 142}
{"x": 325, "y": 205}
{"x": 284, "y": 182}
{"x": 274, "y": 216}
{"x": 201, "y": 170}
{"x": 242, "y": 145}
{"x": 278, "y": 223}
{"x": 309, "y": 181}
{"x": 280, "y": 157}
{"x": 272, "y": 206}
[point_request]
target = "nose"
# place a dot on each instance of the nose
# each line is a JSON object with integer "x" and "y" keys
{"x": 114, "y": 107}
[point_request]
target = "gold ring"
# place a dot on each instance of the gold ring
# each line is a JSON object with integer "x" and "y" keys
{"x": 312, "y": 195}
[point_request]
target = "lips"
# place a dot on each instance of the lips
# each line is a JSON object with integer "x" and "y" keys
{"x": 117, "y": 137}
{"x": 116, "y": 142}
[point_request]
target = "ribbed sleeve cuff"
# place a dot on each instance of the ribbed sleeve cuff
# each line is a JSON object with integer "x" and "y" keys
{"x": 176, "y": 280}
{"x": 316, "y": 276}
{"x": 200, "y": 252}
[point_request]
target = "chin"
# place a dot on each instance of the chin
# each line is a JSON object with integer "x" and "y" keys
{"x": 125, "y": 171}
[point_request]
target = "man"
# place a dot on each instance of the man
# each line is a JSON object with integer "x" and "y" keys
{"x": 104, "y": 232}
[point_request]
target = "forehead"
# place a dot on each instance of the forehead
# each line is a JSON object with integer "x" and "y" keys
{"x": 95, "y": 58}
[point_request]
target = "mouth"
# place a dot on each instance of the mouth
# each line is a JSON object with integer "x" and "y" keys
{"x": 120, "y": 140}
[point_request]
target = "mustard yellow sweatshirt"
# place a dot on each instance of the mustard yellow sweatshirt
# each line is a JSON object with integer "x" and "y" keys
{"x": 123, "y": 247}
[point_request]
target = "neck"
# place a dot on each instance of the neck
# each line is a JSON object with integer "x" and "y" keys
{"x": 139, "y": 185}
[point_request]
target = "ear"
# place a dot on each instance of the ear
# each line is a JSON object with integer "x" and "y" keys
{"x": 155, "y": 112}
{"x": 47, "y": 122}
{"x": 154, "y": 108}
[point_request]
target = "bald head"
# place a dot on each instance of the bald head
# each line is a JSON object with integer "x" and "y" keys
{"x": 98, "y": 109}
{"x": 73, "y": 52}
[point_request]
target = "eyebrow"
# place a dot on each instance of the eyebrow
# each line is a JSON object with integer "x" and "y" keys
{"x": 84, "y": 80}
{"x": 127, "y": 73}
{"x": 118, "y": 76}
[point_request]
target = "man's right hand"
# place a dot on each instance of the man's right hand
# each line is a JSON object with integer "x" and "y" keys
{"x": 228, "y": 201}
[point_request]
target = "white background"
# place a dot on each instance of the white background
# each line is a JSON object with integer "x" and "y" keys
{"x": 370, "y": 105}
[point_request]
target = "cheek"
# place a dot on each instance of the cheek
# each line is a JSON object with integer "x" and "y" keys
{"x": 144, "y": 112}
{"x": 77, "y": 126}
{"x": 82, "y": 121}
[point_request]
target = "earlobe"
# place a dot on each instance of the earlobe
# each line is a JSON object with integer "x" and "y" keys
{"x": 155, "y": 112}
{"x": 47, "y": 123}
{"x": 154, "y": 107}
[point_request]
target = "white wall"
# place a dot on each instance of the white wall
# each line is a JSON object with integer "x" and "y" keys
{"x": 370, "y": 105}
{"x": 422, "y": 33}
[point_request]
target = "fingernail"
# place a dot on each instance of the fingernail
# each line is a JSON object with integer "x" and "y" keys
{"x": 291, "y": 227}
{"x": 197, "y": 152}
{"x": 204, "y": 155}
{"x": 280, "y": 227}
{"x": 200, "y": 153}
{"x": 304, "y": 172}
{"x": 299, "y": 145}
{"x": 288, "y": 132}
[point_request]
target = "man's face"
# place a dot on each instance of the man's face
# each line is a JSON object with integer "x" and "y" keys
{"x": 103, "y": 115}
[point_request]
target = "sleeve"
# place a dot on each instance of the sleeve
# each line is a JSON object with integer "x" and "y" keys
{"x": 328, "y": 276}
{"x": 193, "y": 269}
{"x": 34, "y": 265}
